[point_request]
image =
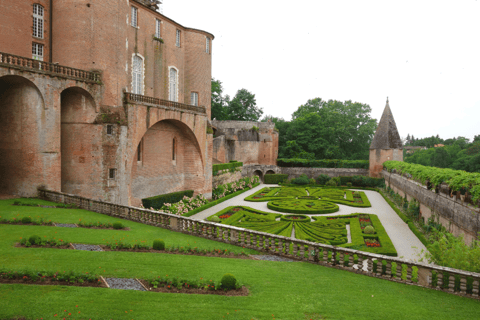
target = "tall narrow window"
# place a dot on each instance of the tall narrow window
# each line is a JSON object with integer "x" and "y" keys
{"x": 134, "y": 17}
{"x": 173, "y": 96}
{"x": 208, "y": 45}
{"x": 178, "y": 38}
{"x": 137, "y": 75}
{"x": 37, "y": 21}
{"x": 37, "y": 51}
{"x": 139, "y": 152}
{"x": 194, "y": 99}
{"x": 158, "y": 24}
{"x": 173, "y": 149}
{"x": 111, "y": 174}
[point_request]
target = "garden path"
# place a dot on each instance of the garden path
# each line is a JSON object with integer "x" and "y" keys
{"x": 406, "y": 243}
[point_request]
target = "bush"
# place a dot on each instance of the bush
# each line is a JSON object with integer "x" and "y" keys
{"x": 349, "y": 184}
{"x": 118, "y": 225}
{"x": 331, "y": 183}
{"x": 324, "y": 163}
{"x": 158, "y": 244}
{"x": 228, "y": 281}
{"x": 215, "y": 219}
{"x": 369, "y": 230}
{"x": 302, "y": 180}
{"x": 26, "y": 220}
{"x": 158, "y": 201}
{"x": 312, "y": 181}
{"x": 35, "y": 239}
{"x": 226, "y": 166}
{"x": 275, "y": 178}
{"x": 323, "y": 179}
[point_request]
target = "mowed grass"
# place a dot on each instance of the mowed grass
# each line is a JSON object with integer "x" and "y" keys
{"x": 278, "y": 290}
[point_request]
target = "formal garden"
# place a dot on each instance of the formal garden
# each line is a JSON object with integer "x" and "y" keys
{"x": 45, "y": 274}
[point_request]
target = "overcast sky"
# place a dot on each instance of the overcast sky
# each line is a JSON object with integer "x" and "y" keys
{"x": 424, "y": 55}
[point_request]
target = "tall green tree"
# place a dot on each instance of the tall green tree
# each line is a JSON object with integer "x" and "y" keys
{"x": 218, "y": 101}
{"x": 243, "y": 107}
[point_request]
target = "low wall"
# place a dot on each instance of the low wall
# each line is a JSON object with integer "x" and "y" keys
{"x": 312, "y": 252}
{"x": 315, "y": 172}
{"x": 454, "y": 214}
{"x": 226, "y": 178}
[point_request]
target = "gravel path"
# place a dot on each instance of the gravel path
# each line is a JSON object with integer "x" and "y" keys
{"x": 272, "y": 258}
{"x": 86, "y": 247}
{"x": 66, "y": 225}
{"x": 406, "y": 243}
{"x": 124, "y": 284}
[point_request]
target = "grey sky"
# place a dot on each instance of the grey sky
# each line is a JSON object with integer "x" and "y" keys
{"x": 424, "y": 55}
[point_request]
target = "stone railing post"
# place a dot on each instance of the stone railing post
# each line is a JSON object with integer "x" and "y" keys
{"x": 173, "y": 223}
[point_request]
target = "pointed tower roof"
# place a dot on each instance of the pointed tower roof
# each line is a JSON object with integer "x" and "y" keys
{"x": 387, "y": 136}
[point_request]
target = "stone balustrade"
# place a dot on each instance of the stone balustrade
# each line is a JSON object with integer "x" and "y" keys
{"x": 384, "y": 267}
{"x": 156, "y": 102}
{"x": 32, "y": 65}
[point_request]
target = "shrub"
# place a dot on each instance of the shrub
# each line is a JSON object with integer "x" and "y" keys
{"x": 215, "y": 219}
{"x": 225, "y": 166}
{"x": 118, "y": 225}
{"x": 349, "y": 184}
{"x": 302, "y": 180}
{"x": 228, "y": 281}
{"x": 158, "y": 201}
{"x": 275, "y": 178}
{"x": 369, "y": 230}
{"x": 26, "y": 220}
{"x": 35, "y": 239}
{"x": 323, "y": 179}
{"x": 331, "y": 183}
{"x": 159, "y": 244}
{"x": 324, "y": 163}
{"x": 312, "y": 181}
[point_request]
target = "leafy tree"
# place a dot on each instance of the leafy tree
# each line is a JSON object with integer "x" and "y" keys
{"x": 312, "y": 106}
{"x": 282, "y": 126}
{"x": 293, "y": 150}
{"x": 218, "y": 101}
{"x": 243, "y": 107}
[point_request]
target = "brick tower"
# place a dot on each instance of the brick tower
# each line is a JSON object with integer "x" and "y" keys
{"x": 386, "y": 144}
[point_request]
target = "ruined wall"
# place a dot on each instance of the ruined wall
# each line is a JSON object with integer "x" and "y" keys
{"x": 456, "y": 216}
{"x": 379, "y": 156}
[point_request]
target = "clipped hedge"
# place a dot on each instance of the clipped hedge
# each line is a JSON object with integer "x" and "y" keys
{"x": 336, "y": 163}
{"x": 214, "y": 203}
{"x": 275, "y": 178}
{"x": 226, "y": 166}
{"x": 294, "y": 218}
{"x": 303, "y": 206}
{"x": 158, "y": 201}
{"x": 362, "y": 181}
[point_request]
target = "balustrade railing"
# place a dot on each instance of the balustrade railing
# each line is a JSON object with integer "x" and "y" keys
{"x": 138, "y": 98}
{"x": 385, "y": 267}
{"x": 38, "y": 66}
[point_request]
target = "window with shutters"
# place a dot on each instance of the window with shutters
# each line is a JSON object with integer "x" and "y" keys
{"x": 37, "y": 51}
{"x": 38, "y": 21}
{"x": 134, "y": 21}
{"x": 194, "y": 99}
{"x": 158, "y": 25}
{"x": 137, "y": 75}
{"x": 173, "y": 88}
{"x": 178, "y": 39}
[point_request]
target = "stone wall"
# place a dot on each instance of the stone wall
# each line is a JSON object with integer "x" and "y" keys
{"x": 315, "y": 172}
{"x": 455, "y": 215}
{"x": 226, "y": 178}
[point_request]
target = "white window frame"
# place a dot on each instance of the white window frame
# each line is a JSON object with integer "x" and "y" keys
{"x": 207, "y": 45}
{"x": 138, "y": 79}
{"x": 173, "y": 96}
{"x": 194, "y": 98}
{"x": 134, "y": 18}
{"x": 38, "y": 22}
{"x": 158, "y": 28}
{"x": 37, "y": 51}
{"x": 178, "y": 38}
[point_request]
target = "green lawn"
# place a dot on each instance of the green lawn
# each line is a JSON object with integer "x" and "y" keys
{"x": 280, "y": 290}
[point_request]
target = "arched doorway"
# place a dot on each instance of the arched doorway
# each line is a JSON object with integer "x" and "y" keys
{"x": 23, "y": 143}
{"x": 81, "y": 142}
{"x": 270, "y": 172}
{"x": 259, "y": 174}
{"x": 167, "y": 159}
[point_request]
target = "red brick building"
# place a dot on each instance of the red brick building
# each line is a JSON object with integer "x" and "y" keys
{"x": 102, "y": 98}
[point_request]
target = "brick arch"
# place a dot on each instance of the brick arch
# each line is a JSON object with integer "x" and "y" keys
{"x": 156, "y": 171}
{"x": 23, "y": 132}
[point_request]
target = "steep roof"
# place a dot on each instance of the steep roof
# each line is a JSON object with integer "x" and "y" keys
{"x": 387, "y": 136}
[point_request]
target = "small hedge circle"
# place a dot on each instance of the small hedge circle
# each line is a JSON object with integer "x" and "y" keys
{"x": 303, "y": 206}
{"x": 296, "y": 218}
{"x": 229, "y": 281}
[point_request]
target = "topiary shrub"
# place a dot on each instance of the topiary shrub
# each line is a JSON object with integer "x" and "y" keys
{"x": 26, "y": 220}
{"x": 331, "y": 183}
{"x": 349, "y": 184}
{"x": 302, "y": 180}
{"x": 159, "y": 244}
{"x": 118, "y": 225}
{"x": 228, "y": 281}
{"x": 323, "y": 179}
{"x": 158, "y": 201}
{"x": 312, "y": 181}
{"x": 34, "y": 239}
{"x": 215, "y": 219}
{"x": 369, "y": 230}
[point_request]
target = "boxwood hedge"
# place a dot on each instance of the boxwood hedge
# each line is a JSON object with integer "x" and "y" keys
{"x": 157, "y": 202}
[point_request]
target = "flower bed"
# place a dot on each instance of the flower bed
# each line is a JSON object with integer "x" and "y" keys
{"x": 372, "y": 243}
{"x": 364, "y": 220}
